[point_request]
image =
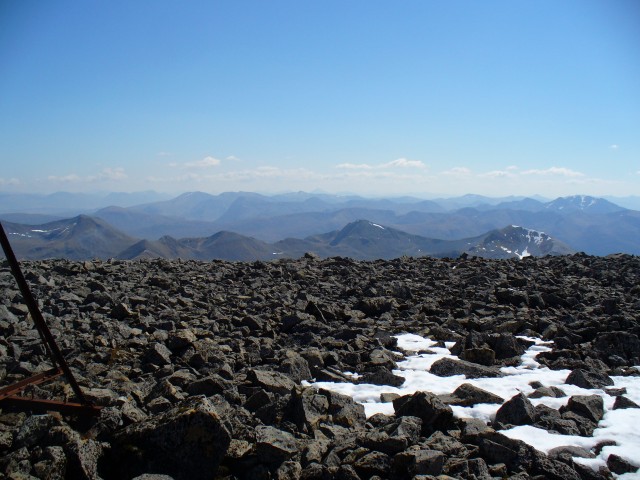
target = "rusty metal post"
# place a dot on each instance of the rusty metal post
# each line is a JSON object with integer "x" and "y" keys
{"x": 41, "y": 325}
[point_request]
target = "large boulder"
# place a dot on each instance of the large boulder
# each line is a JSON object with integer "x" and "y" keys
{"x": 588, "y": 379}
{"x": 434, "y": 413}
{"x": 517, "y": 411}
{"x": 187, "y": 441}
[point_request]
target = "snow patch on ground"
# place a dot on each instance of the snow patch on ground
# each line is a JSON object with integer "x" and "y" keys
{"x": 620, "y": 426}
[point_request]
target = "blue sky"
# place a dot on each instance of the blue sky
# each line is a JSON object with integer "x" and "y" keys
{"x": 379, "y": 98}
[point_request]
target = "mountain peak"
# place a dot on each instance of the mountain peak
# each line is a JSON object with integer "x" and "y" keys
{"x": 584, "y": 203}
{"x": 518, "y": 242}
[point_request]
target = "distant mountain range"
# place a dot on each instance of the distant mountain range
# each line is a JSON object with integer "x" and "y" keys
{"x": 85, "y": 237}
{"x": 248, "y": 226}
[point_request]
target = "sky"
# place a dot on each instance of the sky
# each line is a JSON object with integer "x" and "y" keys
{"x": 378, "y": 98}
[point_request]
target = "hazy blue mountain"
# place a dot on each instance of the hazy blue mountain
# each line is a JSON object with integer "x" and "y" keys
{"x": 153, "y": 226}
{"x": 77, "y": 238}
{"x": 582, "y": 203}
{"x": 362, "y": 240}
{"x": 589, "y": 224}
{"x": 195, "y": 205}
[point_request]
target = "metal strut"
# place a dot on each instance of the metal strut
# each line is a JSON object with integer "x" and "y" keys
{"x": 9, "y": 393}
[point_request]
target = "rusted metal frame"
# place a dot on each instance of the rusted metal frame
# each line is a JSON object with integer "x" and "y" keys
{"x": 38, "y": 320}
{"x": 41, "y": 405}
{"x": 17, "y": 387}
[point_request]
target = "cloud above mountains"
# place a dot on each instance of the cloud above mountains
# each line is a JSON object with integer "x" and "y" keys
{"x": 397, "y": 163}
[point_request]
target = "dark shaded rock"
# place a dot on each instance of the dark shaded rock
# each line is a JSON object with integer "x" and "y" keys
{"x": 158, "y": 354}
{"x": 181, "y": 339}
{"x": 382, "y": 442}
{"x": 566, "y": 453}
{"x": 585, "y": 379}
{"x": 52, "y": 464}
{"x": 620, "y": 465}
{"x": 209, "y": 386}
{"x": 82, "y": 459}
{"x": 447, "y": 367}
{"x": 381, "y": 376}
{"x": 435, "y": 414}
{"x": 152, "y": 476}
{"x": 505, "y": 345}
{"x": 445, "y": 443}
{"x": 308, "y": 408}
{"x": 588, "y": 406}
{"x": 624, "y": 345}
{"x": 418, "y": 461}
{"x": 295, "y": 367}
{"x": 467, "y": 395}
{"x": 376, "y": 306}
{"x": 585, "y": 426}
{"x": 407, "y": 428}
{"x": 497, "y": 448}
{"x": 34, "y": 429}
{"x": 274, "y": 445}
{"x": 187, "y": 441}
{"x": 542, "y": 392}
{"x": 516, "y": 411}
{"x": 482, "y": 355}
{"x": 373, "y": 463}
{"x": 344, "y": 410}
{"x": 473, "y": 428}
{"x": 624, "y": 402}
{"x": 511, "y": 297}
{"x": 270, "y": 381}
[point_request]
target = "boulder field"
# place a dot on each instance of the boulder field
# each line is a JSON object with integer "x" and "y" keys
{"x": 200, "y": 366}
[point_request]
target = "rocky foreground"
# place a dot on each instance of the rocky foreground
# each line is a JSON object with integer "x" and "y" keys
{"x": 199, "y": 365}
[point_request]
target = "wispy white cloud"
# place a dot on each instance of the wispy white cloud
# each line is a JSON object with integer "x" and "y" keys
{"x": 165, "y": 154}
{"x": 110, "y": 174}
{"x": 206, "y": 162}
{"x": 559, "y": 171}
{"x": 613, "y": 147}
{"x": 498, "y": 174}
{"x": 404, "y": 163}
{"x": 9, "y": 181}
{"x": 355, "y": 166}
{"x": 107, "y": 174}
{"x": 71, "y": 178}
{"x": 397, "y": 163}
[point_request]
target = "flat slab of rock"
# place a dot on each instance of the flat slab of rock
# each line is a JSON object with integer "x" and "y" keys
{"x": 447, "y": 367}
{"x": 271, "y": 381}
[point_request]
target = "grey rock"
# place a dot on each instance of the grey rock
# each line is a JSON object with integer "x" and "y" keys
{"x": 435, "y": 414}
{"x": 418, "y": 462}
{"x": 270, "y": 381}
{"x": 467, "y": 395}
{"x": 186, "y": 441}
{"x": 624, "y": 402}
{"x": 516, "y": 411}
{"x": 447, "y": 367}
{"x": 34, "y": 429}
{"x": 585, "y": 379}
{"x": 373, "y": 463}
{"x": 620, "y": 465}
{"x": 588, "y": 406}
{"x": 274, "y": 445}
{"x": 158, "y": 354}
